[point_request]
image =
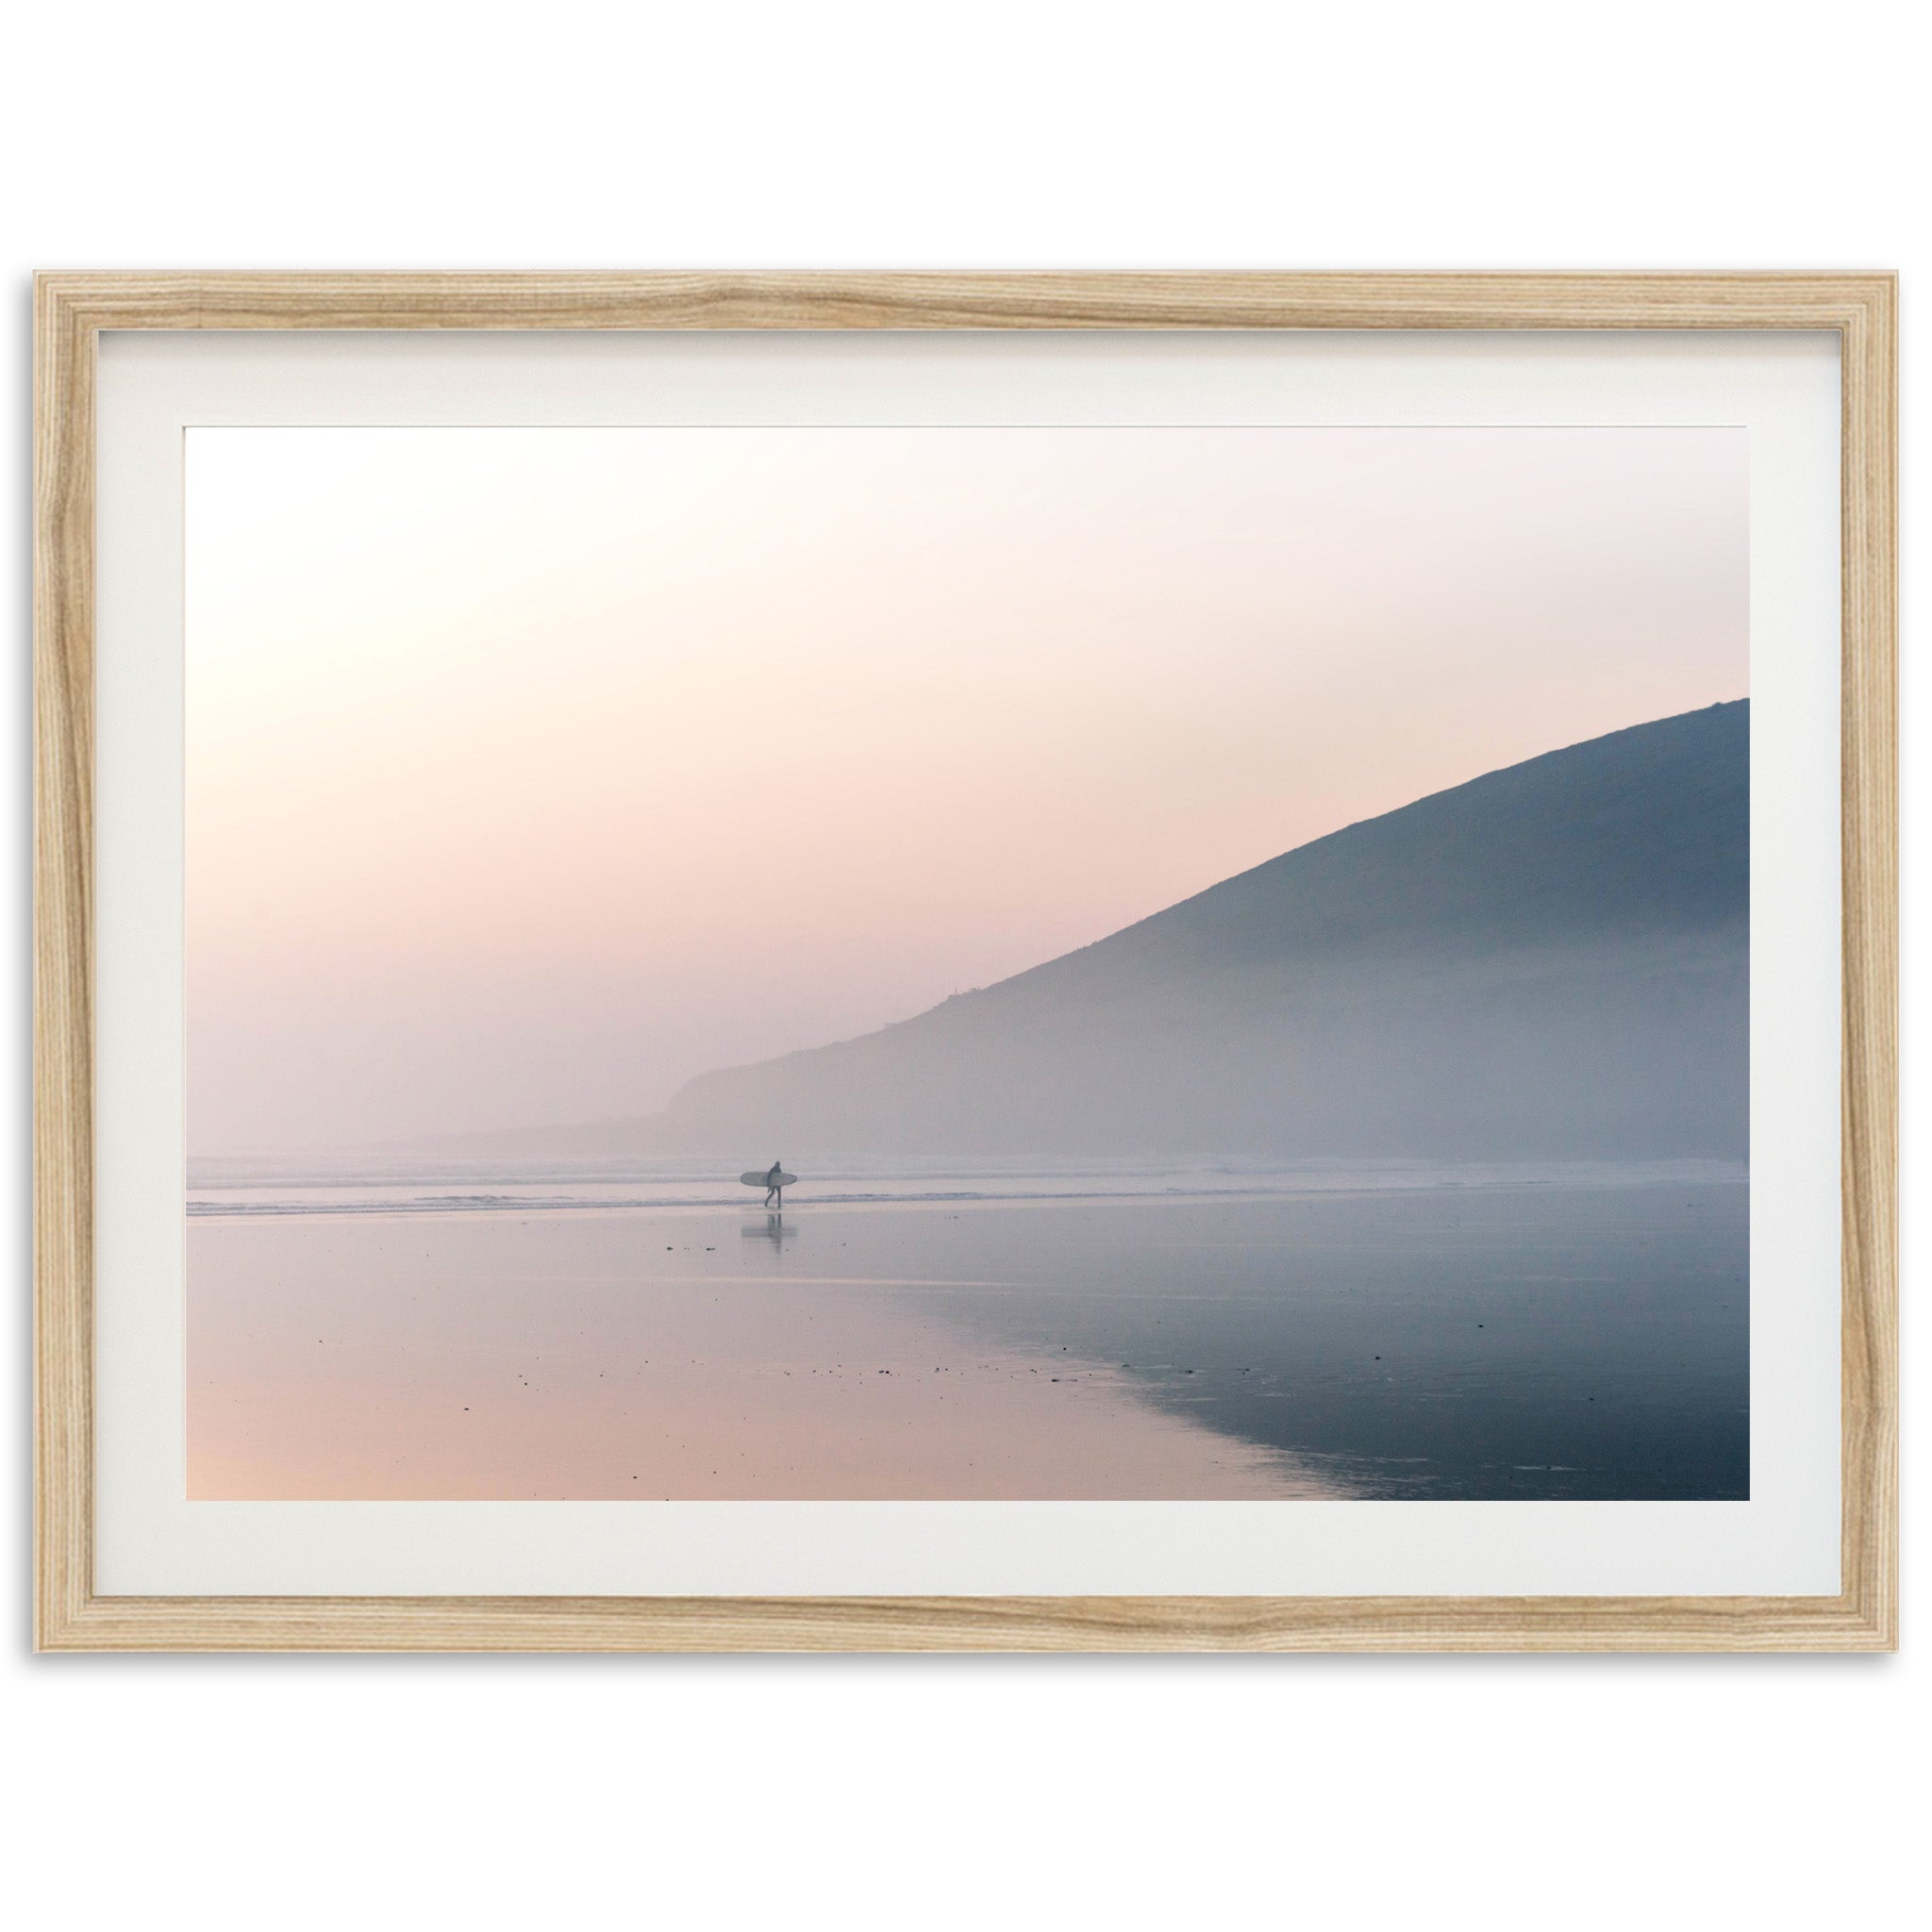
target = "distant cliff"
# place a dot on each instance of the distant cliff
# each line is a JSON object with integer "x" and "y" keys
{"x": 1550, "y": 960}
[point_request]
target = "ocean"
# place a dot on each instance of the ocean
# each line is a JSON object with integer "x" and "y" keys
{"x": 389, "y": 1329}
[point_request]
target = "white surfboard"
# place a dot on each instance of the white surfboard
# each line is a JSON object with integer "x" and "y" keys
{"x": 767, "y": 1179}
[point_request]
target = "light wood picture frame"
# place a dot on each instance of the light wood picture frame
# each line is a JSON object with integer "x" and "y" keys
{"x": 73, "y": 310}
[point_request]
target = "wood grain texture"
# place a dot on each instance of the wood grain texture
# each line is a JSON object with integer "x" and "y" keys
{"x": 72, "y": 309}
{"x": 1869, "y": 1084}
{"x": 816, "y": 301}
{"x": 965, "y": 1623}
{"x": 64, "y": 962}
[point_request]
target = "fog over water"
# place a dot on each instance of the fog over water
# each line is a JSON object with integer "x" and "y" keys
{"x": 1485, "y": 1058}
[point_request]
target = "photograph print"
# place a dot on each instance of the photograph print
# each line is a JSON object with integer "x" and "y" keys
{"x": 968, "y": 963}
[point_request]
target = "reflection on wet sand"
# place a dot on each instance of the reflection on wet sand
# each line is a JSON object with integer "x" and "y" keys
{"x": 769, "y": 1227}
{"x": 613, "y": 1356}
{"x": 1537, "y": 1339}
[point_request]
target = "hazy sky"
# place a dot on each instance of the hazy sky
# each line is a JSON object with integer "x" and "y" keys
{"x": 531, "y": 772}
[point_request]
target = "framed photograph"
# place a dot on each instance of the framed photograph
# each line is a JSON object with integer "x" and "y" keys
{"x": 894, "y": 962}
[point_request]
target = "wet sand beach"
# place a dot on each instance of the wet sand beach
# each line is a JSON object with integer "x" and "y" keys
{"x": 1435, "y": 1341}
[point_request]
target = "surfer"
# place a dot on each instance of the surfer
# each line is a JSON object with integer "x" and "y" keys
{"x": 774, "y": 1179}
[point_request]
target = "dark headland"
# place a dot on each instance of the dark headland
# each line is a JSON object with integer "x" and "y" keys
{"x": 1551, "y": 961}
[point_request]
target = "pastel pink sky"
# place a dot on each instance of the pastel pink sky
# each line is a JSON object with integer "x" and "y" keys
{"x": 531, "y": 772}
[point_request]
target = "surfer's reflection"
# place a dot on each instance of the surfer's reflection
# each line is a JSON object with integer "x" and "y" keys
{"x": 773, "y": 1229}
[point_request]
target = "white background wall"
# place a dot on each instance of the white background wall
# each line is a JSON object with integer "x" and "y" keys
{"x": 1549, "y": 1792}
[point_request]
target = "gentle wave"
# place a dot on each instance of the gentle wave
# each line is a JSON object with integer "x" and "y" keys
{"x": 325, "y": 1199}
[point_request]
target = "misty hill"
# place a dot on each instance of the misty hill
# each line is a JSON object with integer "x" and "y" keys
{"x": 1550, "y": 961}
